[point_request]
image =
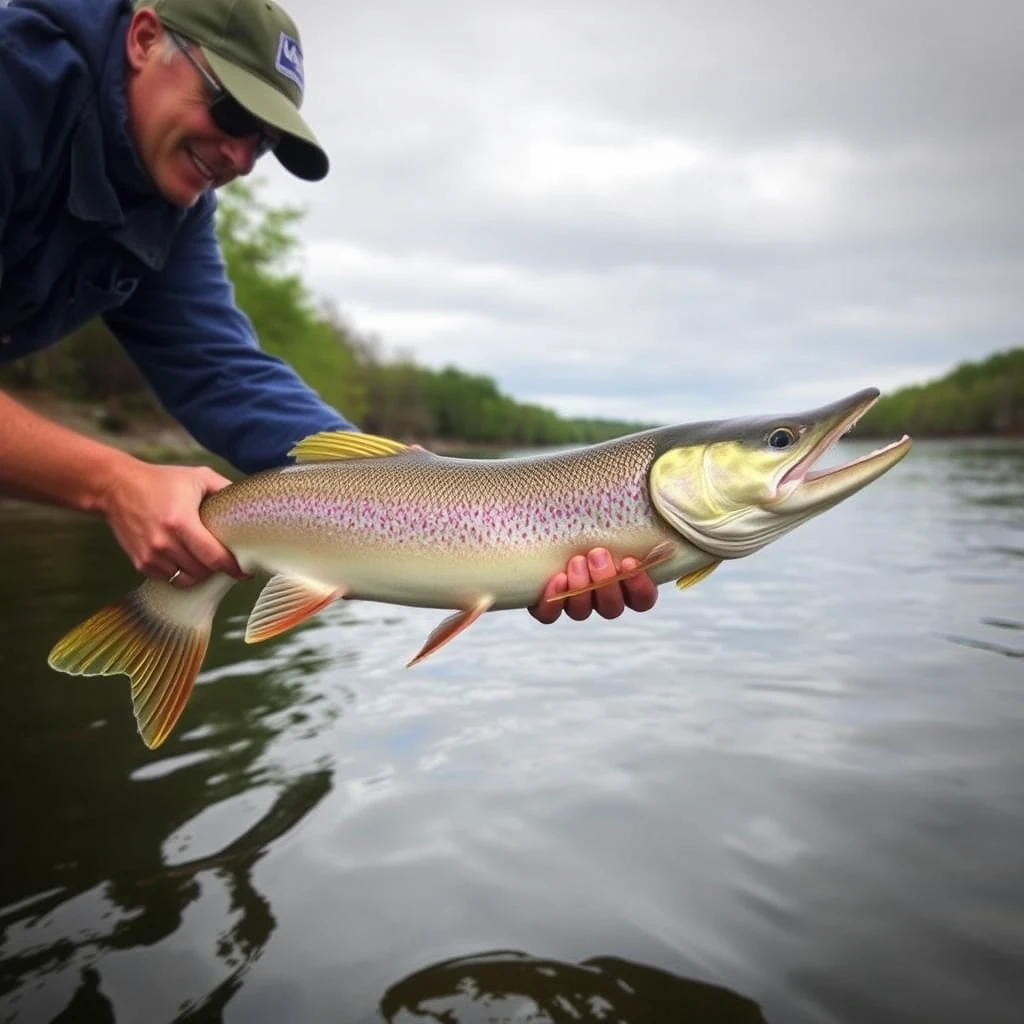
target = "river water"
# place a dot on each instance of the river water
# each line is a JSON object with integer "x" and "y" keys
{"x": 793, "y": 793}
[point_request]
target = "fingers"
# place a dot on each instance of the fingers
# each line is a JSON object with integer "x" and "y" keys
{"x": 545, "y": 610}
{"x": 201, "y": 543}
{"x": 579, "y": 606}
{"x": 182, "y": 580}
{"x": 178, "y": 561}
{"x": 640, "y": 592}
{"x": 178, "y": 558}
{"x": 164, "y": 554}
{"x": 209, "y": 553}
{"x": 154, "y": 513}
{"x": 211, "y": 480}
{"x": 609, "y": 600}
{"x": 189, "y": 547}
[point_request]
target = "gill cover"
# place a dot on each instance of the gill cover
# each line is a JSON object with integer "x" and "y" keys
{"x": 714, "y": 494}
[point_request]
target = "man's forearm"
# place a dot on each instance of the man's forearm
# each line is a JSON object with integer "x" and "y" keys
{"x": 43, "y": 461}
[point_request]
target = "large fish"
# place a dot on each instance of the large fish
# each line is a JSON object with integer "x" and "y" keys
{"x": 364, "y": 517}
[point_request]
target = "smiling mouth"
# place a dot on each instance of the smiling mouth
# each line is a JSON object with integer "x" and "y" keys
{"x": 204, "y": 169}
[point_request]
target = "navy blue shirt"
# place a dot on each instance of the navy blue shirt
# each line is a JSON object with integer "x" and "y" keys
{"x": 84, "y": 233}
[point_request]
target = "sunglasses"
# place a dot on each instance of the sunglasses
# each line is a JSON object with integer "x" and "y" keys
{"x": 228, "y": 114}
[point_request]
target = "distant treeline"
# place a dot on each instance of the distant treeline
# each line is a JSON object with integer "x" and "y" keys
{"x": 974, "y": 400}
{"x": 389, "y": 395}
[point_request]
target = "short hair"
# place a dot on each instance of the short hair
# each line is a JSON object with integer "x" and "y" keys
{"x": 168, "y": 48}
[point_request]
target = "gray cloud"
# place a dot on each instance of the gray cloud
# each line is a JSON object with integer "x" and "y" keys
{"x": 670, "y": 210}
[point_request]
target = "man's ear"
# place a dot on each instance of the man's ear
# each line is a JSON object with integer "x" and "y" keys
{"x": 145, "y": 35}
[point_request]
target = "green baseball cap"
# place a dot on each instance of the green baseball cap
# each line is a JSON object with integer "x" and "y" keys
{"x": 254, "y": 49}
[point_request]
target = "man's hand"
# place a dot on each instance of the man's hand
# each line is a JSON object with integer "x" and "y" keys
{"x": 153, "y": 510}
{"x": 639, "y": 593}
{"x": 154, "y": 514}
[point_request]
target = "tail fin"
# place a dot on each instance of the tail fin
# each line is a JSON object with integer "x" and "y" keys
{"x": 157, "y": 636}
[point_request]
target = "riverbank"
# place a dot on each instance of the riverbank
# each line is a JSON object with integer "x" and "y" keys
{"x": 155, "y": 437}
{"x": 147, "y": 436}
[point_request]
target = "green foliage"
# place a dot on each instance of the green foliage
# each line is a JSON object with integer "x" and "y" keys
{"x": 975, "y": 399}
{"x": 394, "y": 397}
{"x": 259, "y": 242}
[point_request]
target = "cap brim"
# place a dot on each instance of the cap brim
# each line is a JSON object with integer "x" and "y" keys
{"x": 298, "y": 150}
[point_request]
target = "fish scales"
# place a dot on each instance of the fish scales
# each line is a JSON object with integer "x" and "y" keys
{"x": 502, "y": 507}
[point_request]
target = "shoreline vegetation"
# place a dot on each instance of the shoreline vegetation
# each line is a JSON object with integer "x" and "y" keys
{"x": 88, "y": 383}
{"x": 974, "y": 400}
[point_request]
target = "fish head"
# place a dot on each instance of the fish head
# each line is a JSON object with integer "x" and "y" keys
{"x": 733, "y": 486}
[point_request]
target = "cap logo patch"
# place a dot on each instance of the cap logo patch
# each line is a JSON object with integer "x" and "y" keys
{"x": 289, "y": 59}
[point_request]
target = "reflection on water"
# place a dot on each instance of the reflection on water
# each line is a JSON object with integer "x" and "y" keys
{"x": 153, "y": 906}
{"x": 88, "y": 1003}
{"x": 794, "y": 794}
{"x": 516, "y": 988}
{"x": 989, "y": 645}
{"x": 500, "y": 986}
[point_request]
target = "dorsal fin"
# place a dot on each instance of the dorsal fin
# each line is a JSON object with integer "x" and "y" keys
{"x": 344, "y": 444}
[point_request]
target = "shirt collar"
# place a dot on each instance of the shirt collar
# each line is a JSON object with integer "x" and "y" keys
{"x": 109, "y": 184}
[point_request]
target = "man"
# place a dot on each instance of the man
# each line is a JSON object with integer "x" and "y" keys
{"x": 118, "y": 125}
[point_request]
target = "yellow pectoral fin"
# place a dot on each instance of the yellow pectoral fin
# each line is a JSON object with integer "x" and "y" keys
{"x": 452, "y": 627}
{"x": 697, "y": 575}
{"x": 658, "y": 554}
{"x": 332, "y": 445}
{"x": 285, "y": 602}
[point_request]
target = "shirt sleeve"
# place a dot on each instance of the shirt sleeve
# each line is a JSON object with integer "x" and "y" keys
{"x": 200, "y": 355}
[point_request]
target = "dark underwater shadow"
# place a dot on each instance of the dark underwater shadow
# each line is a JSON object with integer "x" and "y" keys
{"x": 160, "y": 899}
{"x": 88, "y": 1004}
{"x": 516, "y": 988}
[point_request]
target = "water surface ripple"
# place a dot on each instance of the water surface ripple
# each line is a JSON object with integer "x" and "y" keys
{"x": 793, "y": 794}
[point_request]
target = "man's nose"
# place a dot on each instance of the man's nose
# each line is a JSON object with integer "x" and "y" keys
{"x": 241, "y": 153}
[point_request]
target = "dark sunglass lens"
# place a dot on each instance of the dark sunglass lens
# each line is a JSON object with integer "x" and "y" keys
{"x": 232, "y": 118}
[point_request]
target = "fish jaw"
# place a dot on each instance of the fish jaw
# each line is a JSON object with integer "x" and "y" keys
{"x": 802, "y": 488}
{"x": 742, "y": 484}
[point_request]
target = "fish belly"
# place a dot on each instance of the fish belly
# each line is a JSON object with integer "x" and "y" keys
{"x": 446, "y": 577}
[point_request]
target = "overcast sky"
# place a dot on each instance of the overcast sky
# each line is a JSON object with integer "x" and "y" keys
{"x": 663, "y": 209}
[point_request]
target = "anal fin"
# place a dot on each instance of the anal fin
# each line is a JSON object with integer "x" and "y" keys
{"x": 285, "y": 602}
{"x": 451, "y": 627}
{"x": 658, "y": 554}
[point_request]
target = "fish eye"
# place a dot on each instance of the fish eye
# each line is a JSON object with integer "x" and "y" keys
{"x": 781, "y": 437}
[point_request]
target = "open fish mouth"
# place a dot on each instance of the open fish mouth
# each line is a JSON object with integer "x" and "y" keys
{"x": 836, "y": 482}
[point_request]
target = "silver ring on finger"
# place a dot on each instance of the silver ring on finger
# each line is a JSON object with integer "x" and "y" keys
{"x": 174, "y": 575}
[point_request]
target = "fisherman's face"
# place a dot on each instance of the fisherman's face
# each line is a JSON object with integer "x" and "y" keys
{"x": 180, "y": 145}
